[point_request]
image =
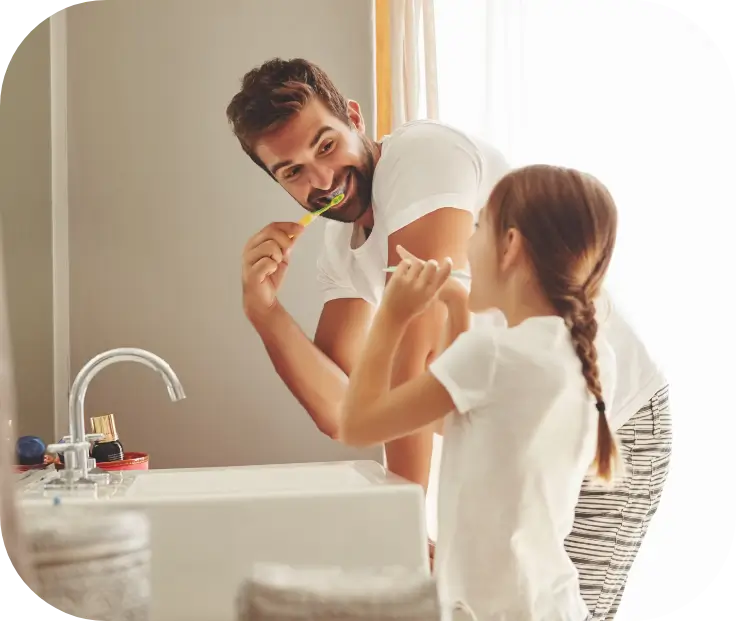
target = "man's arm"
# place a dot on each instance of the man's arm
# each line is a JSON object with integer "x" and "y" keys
{"x": 454, "y": 298}
{"x": 317, "y": 373}
{"x": 439, "y": 234}
{"x": 342, "y": 330}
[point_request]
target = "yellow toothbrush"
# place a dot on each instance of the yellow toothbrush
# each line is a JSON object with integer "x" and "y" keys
{"x": 307, "y": 219}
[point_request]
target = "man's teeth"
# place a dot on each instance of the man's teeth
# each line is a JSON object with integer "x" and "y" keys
{"x": 334, "y": 193}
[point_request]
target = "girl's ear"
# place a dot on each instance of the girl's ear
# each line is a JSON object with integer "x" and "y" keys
{"x": 512, "y": 249}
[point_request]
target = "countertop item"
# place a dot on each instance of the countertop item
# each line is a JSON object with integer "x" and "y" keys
{"x": 91, "y": 562}
{"x": 130, "y": 461}
{"x": 282, "y": 593}
{"x": 108, "y": 449}
{"x": 30, "y": 451}
{"x": 47, "y": 461}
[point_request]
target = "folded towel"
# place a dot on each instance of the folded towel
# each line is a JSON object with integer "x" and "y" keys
{"x": 92, "y": 562}
{"x": 277, "y": 592}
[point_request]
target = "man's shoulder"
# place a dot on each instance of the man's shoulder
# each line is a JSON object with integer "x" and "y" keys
{"x": 439, "y": 149}
{"x": 424, "y": 132}
{"x": 614, "y": 323}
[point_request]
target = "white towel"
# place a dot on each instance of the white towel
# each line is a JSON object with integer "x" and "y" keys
{"x": 277, "y": 592}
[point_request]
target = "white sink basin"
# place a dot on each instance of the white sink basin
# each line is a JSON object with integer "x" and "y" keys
{"x": 209, "y": 525}
{"x": 250, "y": 481}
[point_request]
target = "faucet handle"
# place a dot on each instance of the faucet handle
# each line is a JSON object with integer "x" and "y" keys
{"x": 90, "y": 437}
{"x": 63, "y": 447}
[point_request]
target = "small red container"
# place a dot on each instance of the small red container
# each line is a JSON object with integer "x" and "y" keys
{"x": 48, "y": 459}
{"x": 131, "y": 461}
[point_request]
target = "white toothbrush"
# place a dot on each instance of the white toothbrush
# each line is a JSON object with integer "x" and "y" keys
{"x": 453, "y": 273}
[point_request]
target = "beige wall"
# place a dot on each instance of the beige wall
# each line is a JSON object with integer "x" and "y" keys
{"x": 161, "y": 201}
{"x": 25, "y": 208}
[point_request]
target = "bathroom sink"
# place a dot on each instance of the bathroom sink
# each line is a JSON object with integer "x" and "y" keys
{"x": 210, "y": 525}
{"x": 251, "y": 481}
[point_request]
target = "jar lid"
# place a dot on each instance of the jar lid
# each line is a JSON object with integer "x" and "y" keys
{"x": 105, "y": 425}
{"x": 70, "y": 534}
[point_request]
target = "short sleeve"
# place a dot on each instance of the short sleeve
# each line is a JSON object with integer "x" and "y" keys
{"x": 333, "y": 282}
{"x": 467, "y": 368}
{"x": 427, "y": 166}
{"x": 607, "y": 373}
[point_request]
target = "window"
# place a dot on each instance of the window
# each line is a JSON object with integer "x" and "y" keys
{"x": 637, "y": 95}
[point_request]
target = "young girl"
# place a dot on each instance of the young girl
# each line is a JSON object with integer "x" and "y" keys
{"x": 523, "y": 407}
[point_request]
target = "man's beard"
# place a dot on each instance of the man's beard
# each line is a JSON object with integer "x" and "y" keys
{"x": 362, "y": 177}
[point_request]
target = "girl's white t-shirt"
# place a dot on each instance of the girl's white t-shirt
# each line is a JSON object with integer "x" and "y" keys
{"x": 514, "y": 457}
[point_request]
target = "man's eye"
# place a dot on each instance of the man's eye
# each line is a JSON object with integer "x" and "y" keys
{"x": 292, "y": 172}
{"x": 327, "y": 146}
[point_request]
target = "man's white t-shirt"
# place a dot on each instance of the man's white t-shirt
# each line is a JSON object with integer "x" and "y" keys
{"x": 514, "y": 458}
{"x": 425, "y": 166}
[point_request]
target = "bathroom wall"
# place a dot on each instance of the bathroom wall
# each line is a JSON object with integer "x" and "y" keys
{"x": 25, "y": 209}
{"x": 161, "y": 202}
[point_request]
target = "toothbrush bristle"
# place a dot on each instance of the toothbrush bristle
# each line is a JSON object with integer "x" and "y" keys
{"x": 310, "y": 217}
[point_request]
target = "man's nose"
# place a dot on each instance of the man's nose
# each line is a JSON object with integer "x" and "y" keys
{"x": 321, "y": 177}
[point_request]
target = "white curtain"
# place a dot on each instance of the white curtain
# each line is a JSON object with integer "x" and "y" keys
{"x": 414, "y": 93}
{"x": 637, "y": 95}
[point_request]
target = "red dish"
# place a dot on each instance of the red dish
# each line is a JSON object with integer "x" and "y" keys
{"x": 131, "y": 461}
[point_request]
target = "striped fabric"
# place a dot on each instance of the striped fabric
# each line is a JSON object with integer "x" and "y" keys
{"x": 610, "y": 525}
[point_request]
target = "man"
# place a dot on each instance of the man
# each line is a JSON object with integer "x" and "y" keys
{"x": 422, "y": 188}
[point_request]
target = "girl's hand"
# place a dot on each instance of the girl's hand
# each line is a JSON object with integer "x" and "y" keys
{"x": 414, "y": 285}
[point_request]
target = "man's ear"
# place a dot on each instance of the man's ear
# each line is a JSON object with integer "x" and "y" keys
{"x": 355, "y": 116}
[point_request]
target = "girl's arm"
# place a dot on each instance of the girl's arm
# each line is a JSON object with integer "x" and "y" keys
{"x": 373, "y": 413}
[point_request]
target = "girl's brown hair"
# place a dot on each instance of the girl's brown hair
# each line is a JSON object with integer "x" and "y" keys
{"x": 568, "y": 222}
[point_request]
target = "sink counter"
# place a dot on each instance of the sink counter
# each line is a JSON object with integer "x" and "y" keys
{"x": 209, "y": 525}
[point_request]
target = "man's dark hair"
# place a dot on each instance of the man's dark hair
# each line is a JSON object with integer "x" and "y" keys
{"x": 272, "y": 93}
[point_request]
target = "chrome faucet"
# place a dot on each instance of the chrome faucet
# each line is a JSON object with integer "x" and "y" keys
{"x": 76, "y": 450}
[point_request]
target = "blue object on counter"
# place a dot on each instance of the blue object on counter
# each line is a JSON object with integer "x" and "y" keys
{"x": 30, "y": 450}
